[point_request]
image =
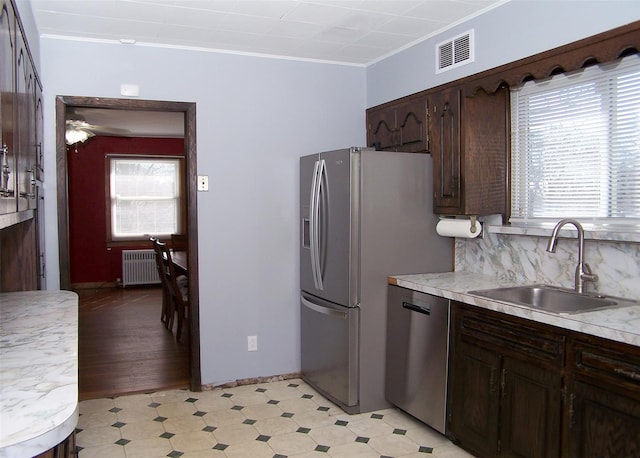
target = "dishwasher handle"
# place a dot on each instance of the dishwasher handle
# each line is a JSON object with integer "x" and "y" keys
{"x": 426, "y": 309}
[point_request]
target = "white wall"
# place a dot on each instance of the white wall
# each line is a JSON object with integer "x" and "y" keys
{"x": 255, "y": 117}
{"x": 511, "y": 31}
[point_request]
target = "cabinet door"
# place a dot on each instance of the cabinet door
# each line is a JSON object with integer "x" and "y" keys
{"x": 25, "y": 117}
{"x": 411, "y": 118}
{"x": 7, "y": 150}
{"x": 603, "y": 414}
{"x": 39, "y": 132}
{"x": 530, "y": 410}
{"x": 445, "y": 150}
{"x": 602, "y": 423}
{"x": 474, "y": 398}
{"x": 381, "y": 129}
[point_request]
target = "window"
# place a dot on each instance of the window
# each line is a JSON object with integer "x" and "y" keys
{"x": 144, "y": 195}
{"x": 576, "y": 148}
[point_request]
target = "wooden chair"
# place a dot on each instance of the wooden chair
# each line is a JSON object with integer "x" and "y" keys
{"x": 178, "y": 290}
{"x": 167, "y": 305}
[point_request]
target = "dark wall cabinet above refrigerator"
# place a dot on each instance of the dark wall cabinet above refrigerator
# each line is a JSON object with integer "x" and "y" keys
{"x": 399, "y": 126}
{"x": 467, "y": 137}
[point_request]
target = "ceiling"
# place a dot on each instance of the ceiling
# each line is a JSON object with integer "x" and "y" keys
{"x": 350, "y": 32}
{"x": 130, "y": 123}
{"x": 357, "y": 32}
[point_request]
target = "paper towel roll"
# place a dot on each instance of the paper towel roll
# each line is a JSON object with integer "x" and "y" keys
{"x": 450, "y": 227}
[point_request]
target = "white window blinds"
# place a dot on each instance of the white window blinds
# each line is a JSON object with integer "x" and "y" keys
{"x": 576, "y": 147}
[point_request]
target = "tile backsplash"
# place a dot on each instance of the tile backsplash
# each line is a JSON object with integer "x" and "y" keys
{"x": 523, "y": 258}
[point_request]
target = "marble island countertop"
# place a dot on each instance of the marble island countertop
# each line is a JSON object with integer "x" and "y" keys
{"x": 621, "y": 324}
{"x": 39, "y": 370}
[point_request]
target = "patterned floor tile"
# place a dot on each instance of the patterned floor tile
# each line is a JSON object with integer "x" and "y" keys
{"x": 284, "y": 419}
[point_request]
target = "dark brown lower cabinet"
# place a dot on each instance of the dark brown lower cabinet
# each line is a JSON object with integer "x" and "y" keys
{"x": 475, "y": 399}
{"x": 505, "y": 394}
{"x": 603, "y": 415}
{"x": 518, "y": 388}
{"x": 530, "y": 410}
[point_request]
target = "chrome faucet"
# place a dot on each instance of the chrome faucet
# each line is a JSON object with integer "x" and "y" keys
{"x": 583, "y": 271}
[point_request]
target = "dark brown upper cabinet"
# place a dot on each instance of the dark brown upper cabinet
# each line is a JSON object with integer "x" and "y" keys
{"x": 399, "y": 126}
{"x": 469, "y": 146}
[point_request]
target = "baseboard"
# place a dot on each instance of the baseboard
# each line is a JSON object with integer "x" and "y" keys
{"x": 252, "y": 381}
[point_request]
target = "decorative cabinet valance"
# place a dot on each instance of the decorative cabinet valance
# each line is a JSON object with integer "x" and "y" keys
{"x": 597, "y": 49}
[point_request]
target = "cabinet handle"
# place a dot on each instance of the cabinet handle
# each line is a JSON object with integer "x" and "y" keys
{"x": 32, "y": 194}
{"x": 444, "y": 111}
{"x": 452, "y": 171}
{"x": 627, "y": 373}
{"x": 426, "y": 126}
{"x": 452, "y": 191}
{"x": 39, "y": 155}
{"x": 4, "y": 185}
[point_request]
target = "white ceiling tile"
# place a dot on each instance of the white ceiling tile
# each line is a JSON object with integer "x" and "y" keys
{"x": 445, "y": 10}
{"x": 312, "y": 29}
{"x": 411, "y": 27}
{"x": 249, "y": 24}
{"x": 315, "y": 14}
{"x": 393, "y": 7}
{"x": 340, "y": 35}
{"x": 295, "y": 29}
{"x": 382, "y": 40}
{"x": 274, "y": 9}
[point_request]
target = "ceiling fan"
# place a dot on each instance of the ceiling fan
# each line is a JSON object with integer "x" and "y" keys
{"x": 79, "y": 131}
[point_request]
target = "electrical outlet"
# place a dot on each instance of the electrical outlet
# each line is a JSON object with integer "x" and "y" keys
{"x": 203, "y": 182}
{"x": 252, "y": 343}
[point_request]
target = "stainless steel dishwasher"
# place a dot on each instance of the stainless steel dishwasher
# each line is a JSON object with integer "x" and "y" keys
{"x": 417, "y": 354}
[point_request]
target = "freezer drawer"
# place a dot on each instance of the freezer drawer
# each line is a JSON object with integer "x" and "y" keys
{"x": 417, "y": 354}
{"x": 329, "y": 341}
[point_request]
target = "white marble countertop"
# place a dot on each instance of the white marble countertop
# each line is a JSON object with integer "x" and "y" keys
{"x": 621, "y": 324}
{"x": 39, "y": 370}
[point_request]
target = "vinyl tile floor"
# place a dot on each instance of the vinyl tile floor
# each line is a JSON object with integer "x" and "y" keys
{"x": 273, "y": 420}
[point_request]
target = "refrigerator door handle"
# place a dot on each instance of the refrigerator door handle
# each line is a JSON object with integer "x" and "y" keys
{"x": 316, "y": 189}
{"x": 323, "y": 310}
{"x": 313, "y": 218}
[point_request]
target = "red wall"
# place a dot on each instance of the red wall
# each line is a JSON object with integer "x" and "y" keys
{"x": 91, "y": 261}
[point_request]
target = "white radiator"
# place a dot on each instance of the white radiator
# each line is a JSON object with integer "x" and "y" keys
{"x": 139, "y": 267}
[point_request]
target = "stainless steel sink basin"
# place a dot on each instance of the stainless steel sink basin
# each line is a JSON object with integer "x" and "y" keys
{"x": 550, "y": 298}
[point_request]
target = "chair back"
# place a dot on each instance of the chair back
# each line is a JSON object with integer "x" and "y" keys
{"x": 177, "y": 286}
{"x": 167, "y": 305}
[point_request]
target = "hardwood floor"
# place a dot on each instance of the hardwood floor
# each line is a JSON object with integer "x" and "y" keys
{"x": 124, "y": 348}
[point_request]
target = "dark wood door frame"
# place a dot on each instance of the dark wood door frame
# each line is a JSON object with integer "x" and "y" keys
{"x": 189, "y": 110}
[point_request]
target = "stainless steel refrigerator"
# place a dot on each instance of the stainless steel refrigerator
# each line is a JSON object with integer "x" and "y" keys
{"x": 364, "y": 215}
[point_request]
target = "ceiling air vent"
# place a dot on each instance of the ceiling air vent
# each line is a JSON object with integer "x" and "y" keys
{"x": 454, "y": 52}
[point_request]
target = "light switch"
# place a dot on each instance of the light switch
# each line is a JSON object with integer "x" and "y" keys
{"x": 203, "y": 182}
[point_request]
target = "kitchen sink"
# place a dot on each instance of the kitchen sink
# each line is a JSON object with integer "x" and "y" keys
{"x": 551, "y": 298}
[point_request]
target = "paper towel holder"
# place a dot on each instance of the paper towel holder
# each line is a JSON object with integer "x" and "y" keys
{"x": 474, "y": 225}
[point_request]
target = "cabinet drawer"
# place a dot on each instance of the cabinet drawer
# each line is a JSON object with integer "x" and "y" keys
{"x": 604, "y": 361}
{"x": 513, "y": 335}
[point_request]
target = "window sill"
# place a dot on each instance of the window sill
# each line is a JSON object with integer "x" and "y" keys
{"x": 611, "y": 235}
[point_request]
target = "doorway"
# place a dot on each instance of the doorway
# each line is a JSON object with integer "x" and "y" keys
{"x": 66, "y": 103}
